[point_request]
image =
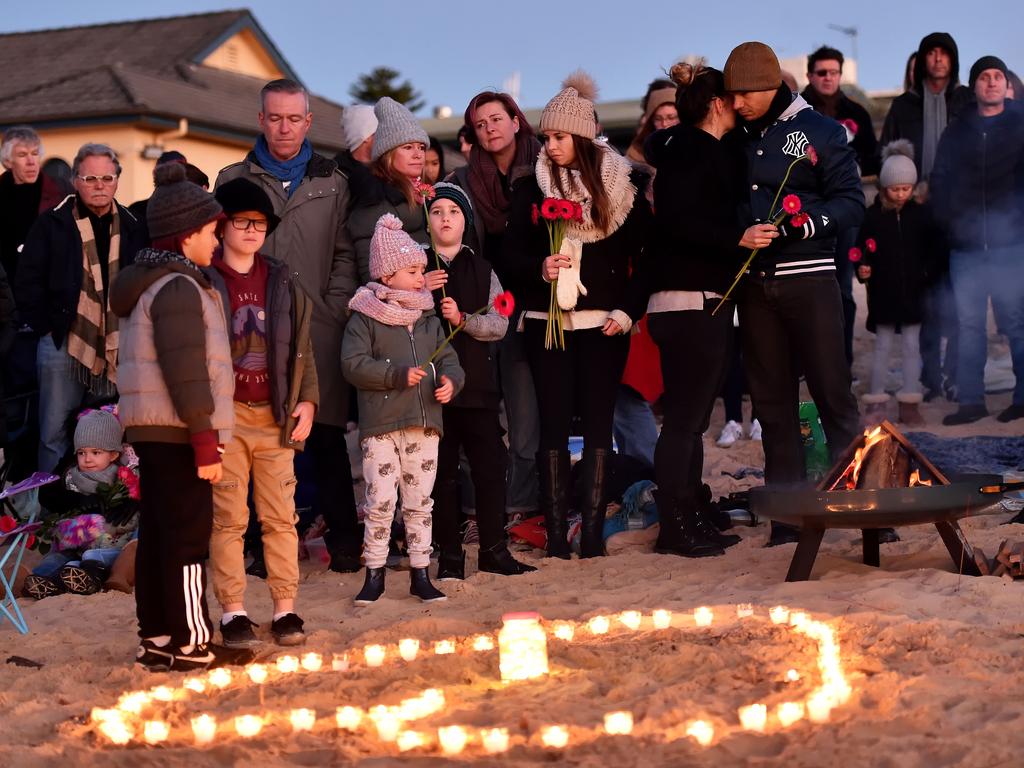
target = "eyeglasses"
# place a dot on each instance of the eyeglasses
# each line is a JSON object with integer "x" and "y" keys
{"x": 827, "y": 72}
{"x": 260, "y": 225}
{"x": 108, "y": 178}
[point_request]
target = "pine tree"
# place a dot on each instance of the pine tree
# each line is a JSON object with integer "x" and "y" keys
{"x": 379, "y": 82}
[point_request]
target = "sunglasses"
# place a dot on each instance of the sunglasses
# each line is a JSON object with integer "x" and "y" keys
{"x": 826, "y": 72}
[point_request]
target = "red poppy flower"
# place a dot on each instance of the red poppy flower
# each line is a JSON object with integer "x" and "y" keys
{"x": 850, "y": 125}
{"x": 549, "y": 209}
{"x": 855, "y": 255}
{"x": 567, "y": 209}
{"x": 535, "y": 214}
{"x": 578, "y": 212}
{"x": 7, "y": 524}
{"x": 791, "y": 204}
{"x": 504, "y": 304}
{"x": 811, "y": 154}
{"x": 871, "y": 245}
{"x": 799, "y": 220}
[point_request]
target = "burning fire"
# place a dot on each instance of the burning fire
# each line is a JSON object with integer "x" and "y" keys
{"x": 852, "y": 473}
{"x": 915, "y": 479}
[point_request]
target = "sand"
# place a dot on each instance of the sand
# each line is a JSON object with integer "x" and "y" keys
{"x": 935, "y": 659}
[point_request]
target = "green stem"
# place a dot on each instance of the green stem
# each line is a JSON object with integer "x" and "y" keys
{"x": 451, "y": 335}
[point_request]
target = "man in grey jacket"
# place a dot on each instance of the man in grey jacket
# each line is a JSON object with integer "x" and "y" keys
{"x": 311, "y": 197}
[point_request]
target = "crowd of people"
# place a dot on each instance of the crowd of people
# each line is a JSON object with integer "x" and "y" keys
{"x": 236, "y": 334}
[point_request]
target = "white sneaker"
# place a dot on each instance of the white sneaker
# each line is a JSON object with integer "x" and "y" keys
{"x": 755, "y": 430}
{"x": 731, "y": 432}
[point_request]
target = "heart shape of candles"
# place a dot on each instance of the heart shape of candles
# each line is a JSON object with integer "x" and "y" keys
{"x": 153, "y": 717}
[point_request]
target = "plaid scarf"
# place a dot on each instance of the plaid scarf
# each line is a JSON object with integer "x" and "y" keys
{"x": 92, "y": 338}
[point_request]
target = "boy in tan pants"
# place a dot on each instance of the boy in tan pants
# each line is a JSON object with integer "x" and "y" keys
{"x": 275, "y": 399}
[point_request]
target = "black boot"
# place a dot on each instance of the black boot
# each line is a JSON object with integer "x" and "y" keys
{"x": 373, "y": 587}
{"x": 887, "y": 536}
{"x": 501, "y": 562}
{"x": 595, "y": 464}
{"x": 706, "y": 511}
{"x": 451, "y": 566}
{"x": 420, "y": 586}
{"x": 783, "y": 534}
{"x": 553, "y": 468}
{"x": 678, "y": 534}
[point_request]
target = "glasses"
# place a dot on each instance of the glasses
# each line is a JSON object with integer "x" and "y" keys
{"x": 108, "y": 178}
{"x": 827, "y": 73}
{"x": 260, "y": 225}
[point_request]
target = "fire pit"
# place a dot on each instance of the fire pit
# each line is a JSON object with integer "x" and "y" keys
{"x": 880, "y": 481}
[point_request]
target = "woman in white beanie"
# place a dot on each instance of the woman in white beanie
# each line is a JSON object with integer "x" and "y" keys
{"x": 593, "y": 280}
{"x": 399, "y": 149}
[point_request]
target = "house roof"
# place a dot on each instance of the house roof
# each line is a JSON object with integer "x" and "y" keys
{"x": 151, "y": 68}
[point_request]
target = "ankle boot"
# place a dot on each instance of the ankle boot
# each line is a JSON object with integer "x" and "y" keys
{"x": 593, "y": 509}
{"x": 501, "y": 562}
{"x": 705, "y": 520}
{"x": 553, "y": 468}
{"x": 373, "y": 587}
{"x": 122, "y": 572}
{"x": 451, "y": 566}
{"x": 910, "y": 414}
{"x": 420, "y": 586}
{"x": 678, "y": 534}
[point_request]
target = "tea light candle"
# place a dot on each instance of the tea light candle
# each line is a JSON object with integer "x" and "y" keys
{"x": 410, "y": 740}
{"x": 312, "y": 662}
{"x": 563, "y": 630}
{"x": 662, "y": 619}
{"x": 599, "y": 625}
{"x": 522, "y": 647}
{"x": 348, "y": 718}
{"x": 194, "y": 684}
{"x": 162, "y": 693}
{"x": 495, "y": 740}
{"x": 248, "y": 726}
{"x": 444, "y": 647}
{"x": 743, "y": 610}
{"x": 387, "y": 722}
{"x": 703, "y": 617}
{"x": 556, "y": 736}
{"x": 155, "y": 731}
{"x": 798, "y": 619}
{"x": 287, "y": 664}
{"x": 257, "y": 673}
{"x": 220, "y": 677}
{"x": 631, "y": 619}
{"x": 408, "y": 648}
{"x": 302, "y": 719}
{"x": 618, "y": 723}
{"x": 433, "y": 698}
{"x": 701, "y": 732}
{"x": 792, "y": 676}
{"x": 133, "y": 702}
{"x": 204, "y": 728}
{"x": 779, "y": 614}
{"x": 339, "y": 662}
{"x": 101, "y": 715}
{"x": 789, "y": 712}
{"x": 754, "y": 717}
{"x": 374, "y": 655}
{"x": 116, "y": 731}
{"x": 819, "y": 707}
{"x": 483, "y": 643}
{"x": 452, "y": 739}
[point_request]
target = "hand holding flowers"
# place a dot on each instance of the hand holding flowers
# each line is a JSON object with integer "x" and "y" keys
{"x": 504, "y": 304}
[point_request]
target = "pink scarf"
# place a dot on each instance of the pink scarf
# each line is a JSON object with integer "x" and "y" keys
{"x": 389, "y": 306}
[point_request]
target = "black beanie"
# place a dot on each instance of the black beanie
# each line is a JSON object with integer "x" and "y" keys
{"x": 985, "y": 62}
{"x": 240, "y": 195}
{"x": 177, "y": 206}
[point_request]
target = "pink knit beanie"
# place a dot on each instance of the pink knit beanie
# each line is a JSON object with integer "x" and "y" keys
{"x": 391, "y": 248}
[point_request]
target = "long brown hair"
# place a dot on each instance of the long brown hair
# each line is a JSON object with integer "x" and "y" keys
{"x": 588, "y": 161}
{"x": 384, "y": 169}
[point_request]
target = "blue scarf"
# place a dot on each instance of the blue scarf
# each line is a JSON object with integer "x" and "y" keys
{"x": 288, "y": 170}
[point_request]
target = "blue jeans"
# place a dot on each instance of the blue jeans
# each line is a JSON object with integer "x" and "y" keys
{"x": 50, "y": 565}
{"x": 59, "y": 397}
{"x": 977, "y": 275}
{"x": 523, "y": 422}
{"x": 634, "y": 427}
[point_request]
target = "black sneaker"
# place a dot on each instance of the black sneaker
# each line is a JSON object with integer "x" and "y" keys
{"x": 155, "y": 658}
{"x": 238, "y": 633}
{"x": 39, "y": 587}
{"x": 79, "y": 580}
{"x": 288, "y": 630}
{"x": 210, "y": 656}
{"x": 345, "y": 562}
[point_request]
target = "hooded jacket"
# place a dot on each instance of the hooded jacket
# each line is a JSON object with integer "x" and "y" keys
{"x": 371, "y": 199}
{"x": 906, "y": 114}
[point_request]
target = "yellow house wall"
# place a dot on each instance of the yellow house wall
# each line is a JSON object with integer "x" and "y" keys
{"x": 242, "y": 53}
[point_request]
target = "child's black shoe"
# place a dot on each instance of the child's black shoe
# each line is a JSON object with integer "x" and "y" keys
{"x": 420, "y": 586}
{"x": 154, "y": 657}
{"x": 288, "y": 630}
{"x": 238, "y": 633}
{"x": 210, "y": 656}
{"x": 39, "y": 587}
{"x": 373, "y": 587}
{"x": 81, "y": 579}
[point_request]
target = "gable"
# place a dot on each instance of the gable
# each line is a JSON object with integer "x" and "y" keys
{"x": 244, "y": 54}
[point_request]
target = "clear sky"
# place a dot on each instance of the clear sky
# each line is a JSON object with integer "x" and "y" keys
{"x": 453, "y": 48}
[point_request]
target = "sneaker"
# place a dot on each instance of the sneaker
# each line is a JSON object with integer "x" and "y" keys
{"x": 755, "y": 430}
{"x": 731, "y": 432}
{"x": 238, "y": 633}
{"x": 966, "y": 414}
{"x": 38, "y": 587}
{"x": 288, "y": 630}
{"x": 1010, "y": 414}
{"x": 345, "y": 562}
{"x": 210, "y": 656}
{"x": 80, "y": 581}
{"x": 153, "y": 657}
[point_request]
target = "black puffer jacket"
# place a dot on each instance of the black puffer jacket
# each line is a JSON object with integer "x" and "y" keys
{"x": 864, "y": 142}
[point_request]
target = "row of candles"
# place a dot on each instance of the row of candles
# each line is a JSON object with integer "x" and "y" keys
{"x": 115, "y": 724}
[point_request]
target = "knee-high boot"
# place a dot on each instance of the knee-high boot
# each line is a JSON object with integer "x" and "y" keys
{"x": 595, "y": 464}
{"x": 554, "y": 499}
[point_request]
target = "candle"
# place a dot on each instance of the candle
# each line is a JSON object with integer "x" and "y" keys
{"x": 339, "y": 662}
{"x": 662, "y": 619}
{"x": 599, "y": 625}
{"x": 116, "y": 731}
{"x": 618, "y": 723}
{"x": 754, "y": 717}
{"x": 556, "y": 736}
{"x": 792, "y": 676}
{"x": 257, "y": 673}
{"x": 194, "y": 684}
{"x": 444, "y": 647}
{"x": 701, "y": 732}
{"x": 100, "y": 715}
{"x": 162, "y": 693}
{"x": 204, "y": 728}
{"x": 564, "y": 630}
{"x": 220, "y": 677}
{"x": 483, "y": 643}
{"x": 312, "y": 662}
{"x": 743, "y": 610}
{"x": 798, "y": 619}
{"x": 410, "y": 740}
{"x": 155, "y": 731}
{"x": 302, "y": 719}
{"x": 522, "y": 647}
{"x": 287, "y": 664}
{"x": 631, "y": 619}
{"x": 819, "y": 707}
{"x": 374, "y": 655}
{"x": 408, "y": 648}
{"x": 703, "y": 617}
{"x": 387, "y": 722}
{"x": 779, "y": 614}
{"x": 133, "y": 702}
{"x": 495, "y": 740}
{"x": 348, "y": 718}
{"x": 789, "y": 712}
{"x": 248, "y": 726}
{"x": 434, "y": 700}
{"x": 453, "y": 739}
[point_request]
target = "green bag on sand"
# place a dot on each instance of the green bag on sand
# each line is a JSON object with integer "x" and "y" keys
{"x": 816, "y": 454}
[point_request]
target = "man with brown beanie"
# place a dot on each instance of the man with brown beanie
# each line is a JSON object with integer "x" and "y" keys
{"x": 789, "y": 301}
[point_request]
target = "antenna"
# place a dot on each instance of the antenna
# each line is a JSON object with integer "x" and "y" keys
{"x": 850, "y": 32}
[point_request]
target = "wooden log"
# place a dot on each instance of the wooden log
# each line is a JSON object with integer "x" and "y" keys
{"x": 1003, "y": 553}
{"x": 886, "y": 465}
{"x": 914, "y": 453}
{"x": 982, "y": 562}
{"x": 1000, "y": 569}
{"x": 1017, "y": 553}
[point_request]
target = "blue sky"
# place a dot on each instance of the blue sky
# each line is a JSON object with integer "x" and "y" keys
{"x": 452, "y": 49}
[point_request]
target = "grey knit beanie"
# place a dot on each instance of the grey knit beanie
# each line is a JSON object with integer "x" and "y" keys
{"x": 443, "y": 190}
{"x": 99, "y": 429}
{"x": 177, "y": 206}
{"x": 897, "y": 164}
{"x": 395, "y": 126}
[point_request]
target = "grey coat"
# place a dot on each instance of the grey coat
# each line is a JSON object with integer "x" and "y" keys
{"x": 372, "y": 199}
{"x": 313, "y": 240}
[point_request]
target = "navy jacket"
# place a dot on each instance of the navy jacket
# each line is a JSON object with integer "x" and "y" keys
{"x": 829, "y": 191}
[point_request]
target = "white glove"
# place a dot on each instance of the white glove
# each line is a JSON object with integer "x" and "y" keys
{"x": 569, "y": 286}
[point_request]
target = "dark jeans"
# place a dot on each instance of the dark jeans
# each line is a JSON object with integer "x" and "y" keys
{"x": 696, "y": 351}
{"x": 479, "y": 432}
{"x": 735, "y": 385}
{"x": 938, "y": 321}
{"x": 520, "y": 401}
{"x": 844, "y": 274}
{"x": 175, "y": 522}
{"x": 782, "y": 322}
{"x": 326, "y": 465}
{"x": 582, "y": 379}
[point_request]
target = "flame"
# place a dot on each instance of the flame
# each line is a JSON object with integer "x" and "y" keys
{"x": 852, "y": 472}
{"x": 915, "y": 479}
